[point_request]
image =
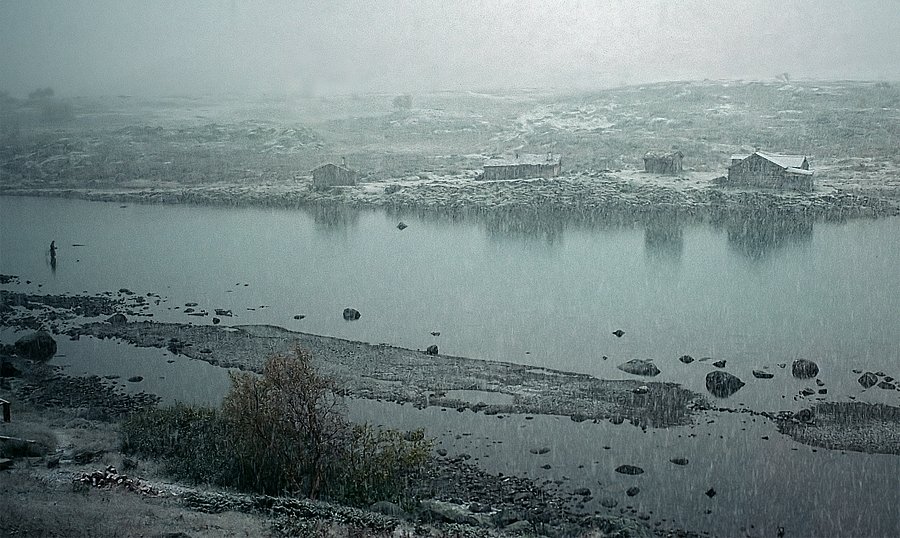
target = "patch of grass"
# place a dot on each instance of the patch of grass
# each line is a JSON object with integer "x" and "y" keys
{"x": 28, "y": 440}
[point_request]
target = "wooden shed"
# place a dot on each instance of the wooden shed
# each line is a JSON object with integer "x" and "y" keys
{"x": 760, "y": 169}
{"x": 523, "y": 166}
{"x": 330, "y": 175}
{"x": 659, "y": 162}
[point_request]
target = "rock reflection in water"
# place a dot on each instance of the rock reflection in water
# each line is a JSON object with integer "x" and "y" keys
{"x": 759, "y": 234}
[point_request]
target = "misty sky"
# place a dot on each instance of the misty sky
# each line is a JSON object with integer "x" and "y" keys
{"x": 339, "y": 46}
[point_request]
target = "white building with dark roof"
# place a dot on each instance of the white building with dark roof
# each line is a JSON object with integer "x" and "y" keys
{"x": 762, "y": 169}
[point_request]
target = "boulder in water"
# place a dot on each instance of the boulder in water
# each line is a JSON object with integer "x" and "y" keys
{"x": 351, "y": 314}
{"x": 639, "y": 367}
{"x": 804, "y": 369}
{"x": 868, "y": 379}
{"x": 38, "y": 346}
{"x": 722, "y": 384}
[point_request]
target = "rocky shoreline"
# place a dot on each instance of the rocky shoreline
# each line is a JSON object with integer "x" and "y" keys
{"x": 590, "y": 197}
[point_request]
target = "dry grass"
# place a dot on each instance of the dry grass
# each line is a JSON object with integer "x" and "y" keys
{"x": 43, "y": 508}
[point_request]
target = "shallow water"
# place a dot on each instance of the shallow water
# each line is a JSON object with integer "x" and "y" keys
{"x": 762, "y": 479}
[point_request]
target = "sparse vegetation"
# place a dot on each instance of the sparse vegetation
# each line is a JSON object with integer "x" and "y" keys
{"x": 283, "y": 432}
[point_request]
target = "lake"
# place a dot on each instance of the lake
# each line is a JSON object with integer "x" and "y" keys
{"x": 756, "y": 291}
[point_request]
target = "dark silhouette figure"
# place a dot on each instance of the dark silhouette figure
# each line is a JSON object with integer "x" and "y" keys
{"x": 53, "y": 256}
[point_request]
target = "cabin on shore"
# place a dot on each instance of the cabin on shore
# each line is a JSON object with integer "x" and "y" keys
{"x": 760, "y": 169}
{"x": 523, "y": 166}
{"x": 659, "y": 162}
{"x": 332, "y": 175}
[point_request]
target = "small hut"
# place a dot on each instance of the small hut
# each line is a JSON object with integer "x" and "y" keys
{"x": 658, "y": 162}
{"x": 523, "y": 166}
{"x": 760, "y": 169}
{"x": 331, "y": 175}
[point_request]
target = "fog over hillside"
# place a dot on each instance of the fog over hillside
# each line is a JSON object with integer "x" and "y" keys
{"x": 340, "y": 46}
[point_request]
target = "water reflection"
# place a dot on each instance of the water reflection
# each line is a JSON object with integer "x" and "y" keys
{"x": 535, "y": 225}
{"x": 664, "y": 238}
{"x": 757, "y": 235}
{"x": 335, "y": 217}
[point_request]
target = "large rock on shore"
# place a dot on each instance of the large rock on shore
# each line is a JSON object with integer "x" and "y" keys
{"x": 722, "y": 384}
{"x": 38, "y": 346}
{"x": 639, "y": 367}
{"x": 804, "y": 369}
{"x": 117, "y": 319}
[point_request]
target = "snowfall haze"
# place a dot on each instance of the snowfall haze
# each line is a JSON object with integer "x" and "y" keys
{"x": 339, "y": 47}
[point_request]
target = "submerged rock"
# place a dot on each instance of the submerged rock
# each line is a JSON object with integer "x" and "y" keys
{"x": 639, "y": 367}
{"x": 632, "y": 491}
{"x": 679, "y": 461}
{"x": 38, "y": 346}
{"x": 619, "y": 333}
{"x": 402, "y": 226}
{"x": 686, "y": 359}
{"x": 804, "y": 369}
{"x": 762, "y": 374}
{"x": 719, "y": 364}
{"x": 722, "y": 384}
{"x": 629, "y": 469}
{"x": 351, "y": 314}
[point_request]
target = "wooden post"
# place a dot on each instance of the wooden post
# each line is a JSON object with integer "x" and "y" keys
{"x": 7, "y": 417}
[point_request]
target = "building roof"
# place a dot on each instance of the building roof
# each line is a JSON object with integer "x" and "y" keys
{"x": 525, "y": 158}
{"x": 663, "y": 154}
{"x": 784, "y": 161}
{"x": 326, "y": 165}
{"x": 798, "y": 171}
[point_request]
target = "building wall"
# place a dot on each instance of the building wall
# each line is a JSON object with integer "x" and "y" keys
{"x": 331, "y": 175}
{"x": 755, "y": 171}
{"x": 663, "y": 165}
{"x": 522, "y": 171}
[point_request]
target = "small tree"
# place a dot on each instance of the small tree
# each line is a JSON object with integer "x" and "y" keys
{"x": 288, "y": 426}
